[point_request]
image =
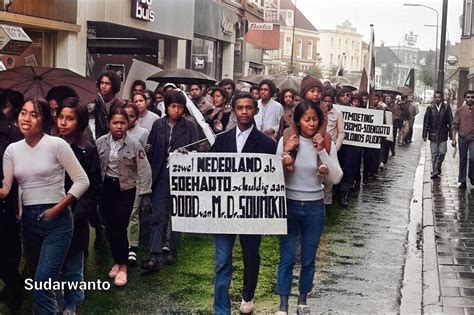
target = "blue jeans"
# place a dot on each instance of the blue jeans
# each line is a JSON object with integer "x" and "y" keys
{"x": 73, "y": 270}
{"x": 465, "y": 148}
{"x": 307, "y": 218}
{"x": 46, "y": 244}
{"x": 250, "y": 251}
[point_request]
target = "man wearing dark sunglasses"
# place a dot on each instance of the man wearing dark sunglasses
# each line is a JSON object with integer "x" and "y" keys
{"x": 463, "y": 123}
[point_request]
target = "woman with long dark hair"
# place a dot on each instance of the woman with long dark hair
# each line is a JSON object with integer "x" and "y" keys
{"x": 38, "y": 163}
{"x": 72, "y": 120}
{"x": 305, "y": 201}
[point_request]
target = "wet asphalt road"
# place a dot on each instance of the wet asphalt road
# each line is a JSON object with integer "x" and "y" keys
{"x": 362, "y": 255}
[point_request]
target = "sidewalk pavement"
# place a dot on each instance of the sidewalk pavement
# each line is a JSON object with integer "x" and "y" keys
{"x": 448, "y": 240}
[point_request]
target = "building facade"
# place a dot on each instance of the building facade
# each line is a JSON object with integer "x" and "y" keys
{"x": 466, "y": 50}
{"x": 298, "y": 49}
{"x": 49, "y": 24}
{"x": 342, "y": 46}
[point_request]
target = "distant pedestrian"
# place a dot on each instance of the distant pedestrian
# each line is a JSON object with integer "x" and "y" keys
{"x": 437, "y": 128}
{"x": 269, "y": 114}
{"x": 146, "y": 118}
{"x": 463, "y": 124}
{"x": 108, "y": 85}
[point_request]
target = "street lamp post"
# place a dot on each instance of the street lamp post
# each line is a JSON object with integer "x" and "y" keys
{"x": 437, "y": 25}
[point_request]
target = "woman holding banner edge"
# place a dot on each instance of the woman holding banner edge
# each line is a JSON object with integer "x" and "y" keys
{"x": 305, "y": 201}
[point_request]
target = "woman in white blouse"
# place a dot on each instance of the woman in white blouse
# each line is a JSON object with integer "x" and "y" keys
{"x": 38, "y": 163}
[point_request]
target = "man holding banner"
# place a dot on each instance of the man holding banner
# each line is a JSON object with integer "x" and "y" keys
{"x": 244, "y": 138}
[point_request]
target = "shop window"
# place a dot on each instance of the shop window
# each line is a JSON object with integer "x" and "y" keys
{"x": 300, "y": 48}
{"x": 204, "y": 56}
{"x": 288, "y": 45}
{"x": 310, "y": 49}
{"x": 468, "y": 25}
{"x": 32, "y": 56}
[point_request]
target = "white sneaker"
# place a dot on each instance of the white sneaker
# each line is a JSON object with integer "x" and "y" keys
{"x": 246, "y": 307}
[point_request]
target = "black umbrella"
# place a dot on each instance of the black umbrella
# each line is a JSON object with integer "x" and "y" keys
{"x": 388, "y": 90}
{"x": 181, "y": 76}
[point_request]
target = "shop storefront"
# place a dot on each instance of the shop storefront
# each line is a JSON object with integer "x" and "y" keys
{"x": 214, "y": 38}
{"x": 147, "y": 30}
{"x": 45, "y": 23}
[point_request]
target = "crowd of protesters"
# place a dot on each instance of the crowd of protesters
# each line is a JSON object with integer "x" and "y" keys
{"x": 106, "y": 163}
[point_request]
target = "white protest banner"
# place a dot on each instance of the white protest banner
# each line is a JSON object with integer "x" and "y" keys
{"x": 364, "y": 127}
{"x": 227, "y": 193}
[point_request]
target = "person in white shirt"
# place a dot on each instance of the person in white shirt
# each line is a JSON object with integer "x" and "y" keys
{"x": 270, "y": 111}
{"x": 146, "y": 118}
{"x": 38, "y": 163}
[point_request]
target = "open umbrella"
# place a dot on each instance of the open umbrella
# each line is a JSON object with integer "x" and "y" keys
{"x": 340, "y": 80}
{"x": 255, "y": 78}
{"x": 288, "y": 82}
{"x": 37, "y": 81}
{"x": 182, "y": 76}
{"x": 388, "y": 90}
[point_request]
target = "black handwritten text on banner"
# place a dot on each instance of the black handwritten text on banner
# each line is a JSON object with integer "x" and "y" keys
{"x": 364, "y": 127}
{"x": 227, "y": 193}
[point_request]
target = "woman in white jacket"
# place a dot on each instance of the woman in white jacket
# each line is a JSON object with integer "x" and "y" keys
{"x": 305, "y": 201}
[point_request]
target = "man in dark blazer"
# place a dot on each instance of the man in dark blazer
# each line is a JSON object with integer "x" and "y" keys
{"x": 244, "y": 138}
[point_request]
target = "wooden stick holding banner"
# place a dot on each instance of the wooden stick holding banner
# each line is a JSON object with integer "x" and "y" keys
{"x": 227, "y": 193}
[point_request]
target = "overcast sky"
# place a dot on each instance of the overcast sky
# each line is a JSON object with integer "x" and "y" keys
{"x": 390, "y": 18}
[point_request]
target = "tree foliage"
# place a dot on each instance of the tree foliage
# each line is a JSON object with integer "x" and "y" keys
{"x": 427, "y": 76}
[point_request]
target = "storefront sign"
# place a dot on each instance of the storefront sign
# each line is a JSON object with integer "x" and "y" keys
{"x": 228, "y": 193}
{"x": 141, "y": 9}
{"x": 253, "y": 26}
{"x": 364, "y": 127}
{"x": 227, "y": 27}
{"x": 199, "y": 63}
{"x": 13, "y": 40}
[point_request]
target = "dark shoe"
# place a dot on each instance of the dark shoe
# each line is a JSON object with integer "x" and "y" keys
{"x": 472, "y": 181}
{"x": 439, "y": 172}
{"x": 463, "y": 186}
{"x": 393, "y": 153}
{"x": 434, "y": 175}
{"x": 170, "y": 259}
{"x": 365, "y": 181}
{"x": 343, "y": 201}
{"x": 151, "y": 265}
{"x": 132, "y": 257}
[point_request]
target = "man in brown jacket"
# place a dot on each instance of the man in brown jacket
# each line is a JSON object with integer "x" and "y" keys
{"x": 463, "y": 123}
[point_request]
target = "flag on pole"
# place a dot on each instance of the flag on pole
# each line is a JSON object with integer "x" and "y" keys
{"x": 410, "y": 80}
{"x": 363, "y": 81}
{"x": 340, "y": 67}
{"x": 371, "y": 76}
